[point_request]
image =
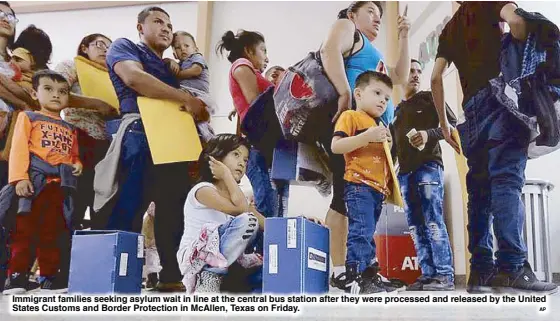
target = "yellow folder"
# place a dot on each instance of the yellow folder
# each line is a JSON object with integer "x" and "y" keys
{"x": 95, "y": 82}
{"x": 455, "y": 134}
{"x": 396, "y": 196}
{"x": 171, "y": 133}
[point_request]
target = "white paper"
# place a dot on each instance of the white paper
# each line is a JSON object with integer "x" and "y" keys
{"x": 273, "y": 259}
{"x": 411, "y": 133}
{"x": 124, "y": 264}
{"x": 316, "y": 260}
{"x": 140, "y": 247}
{"x": 291, "y": 231}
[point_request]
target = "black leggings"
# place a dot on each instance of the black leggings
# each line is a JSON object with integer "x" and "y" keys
{"x": 171, "y": 185}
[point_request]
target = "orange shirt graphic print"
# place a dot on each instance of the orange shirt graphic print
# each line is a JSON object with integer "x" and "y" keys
{"x": 48, "y": 138}
{"x": 53, "y": 138}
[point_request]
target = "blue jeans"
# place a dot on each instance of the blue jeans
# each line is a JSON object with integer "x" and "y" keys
{"x": 363, "y": 205}
{"x": 271, "y": 196}
{"x": 422, "y": 191}
{"x": 235, "y": 236}
{"x": 495, "y": 144}
{"x": 134, "y": 162}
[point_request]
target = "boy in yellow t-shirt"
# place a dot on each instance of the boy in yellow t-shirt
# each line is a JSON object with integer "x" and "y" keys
{"x": 360, "y": 138}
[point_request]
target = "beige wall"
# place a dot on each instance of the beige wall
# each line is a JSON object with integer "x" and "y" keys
{"x": 51, "y": 6}
{"x": 67, "y": 28}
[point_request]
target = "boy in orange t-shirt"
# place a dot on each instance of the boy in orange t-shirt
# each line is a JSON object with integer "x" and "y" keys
{"x": 358, "y": 136}
{"x": 44, "y": 136}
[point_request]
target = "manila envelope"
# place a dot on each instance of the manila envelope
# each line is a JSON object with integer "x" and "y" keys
{"x": 455, "y": 134}
{"x": 171, "y": 133}
{"x": 95, "y": 82}
{"x": 396, "y": 196}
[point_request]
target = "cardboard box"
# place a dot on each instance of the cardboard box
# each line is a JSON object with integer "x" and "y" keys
{"x": 296, "y": 257}
{"x": 106, "y": 262}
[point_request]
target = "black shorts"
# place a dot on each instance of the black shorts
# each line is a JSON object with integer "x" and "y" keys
{"x": 337, "y": 166}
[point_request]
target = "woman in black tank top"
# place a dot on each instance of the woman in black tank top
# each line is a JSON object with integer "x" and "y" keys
{"x": 344, "y": 39}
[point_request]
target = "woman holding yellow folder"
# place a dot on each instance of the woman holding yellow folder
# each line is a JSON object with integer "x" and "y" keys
{"x": 92, "y": 137}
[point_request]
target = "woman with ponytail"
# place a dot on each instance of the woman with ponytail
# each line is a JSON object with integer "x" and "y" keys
{"x": 247, "y": 53}
{"x": 248, "y": 87}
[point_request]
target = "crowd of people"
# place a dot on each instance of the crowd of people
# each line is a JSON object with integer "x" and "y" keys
{"x": 203, "y": 234}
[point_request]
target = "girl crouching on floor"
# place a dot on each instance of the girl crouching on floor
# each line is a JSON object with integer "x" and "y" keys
{"x": 220, "y": 224}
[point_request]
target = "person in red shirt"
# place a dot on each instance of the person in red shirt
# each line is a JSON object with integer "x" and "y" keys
{"x": 248, "y": 56}
{"x": 43, "y": 135}
{"x": 247, "y": 53}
